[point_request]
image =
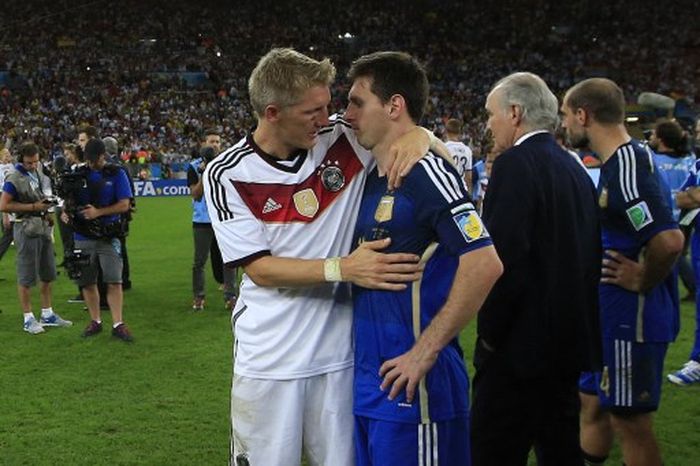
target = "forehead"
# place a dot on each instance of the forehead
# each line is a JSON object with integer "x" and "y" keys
{"x": 361, "y": 85}
{"x": 493, "y": 99}
{"x": 315, "y": 96}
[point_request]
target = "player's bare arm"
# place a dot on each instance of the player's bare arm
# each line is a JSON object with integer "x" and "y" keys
{"x": 688, "y": 199}
{"x": 409, "y": 149}
{"x": 365, "y": 266}
{"x": 659, "y": 258}
{"x": 477, "y": 273}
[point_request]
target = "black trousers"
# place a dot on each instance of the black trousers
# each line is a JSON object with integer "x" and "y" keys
{"x": 511, "y": 414}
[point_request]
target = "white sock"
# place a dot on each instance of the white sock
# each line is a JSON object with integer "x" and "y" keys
{"x": 28, "y": 316}
{"x": 46, "y": 312}
{"x": 117, "y": 324}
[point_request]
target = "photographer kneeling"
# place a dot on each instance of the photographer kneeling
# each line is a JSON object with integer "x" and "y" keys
{"x": 98, "y": 222}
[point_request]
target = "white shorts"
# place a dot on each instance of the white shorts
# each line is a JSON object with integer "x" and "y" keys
{"x": 272, "y": 420}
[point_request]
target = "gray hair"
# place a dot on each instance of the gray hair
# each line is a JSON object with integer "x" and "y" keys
{"x": 539, "y": 106}
{"x": 111, "y": 145}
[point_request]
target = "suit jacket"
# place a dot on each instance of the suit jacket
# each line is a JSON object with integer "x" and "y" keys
{"x": 542, "y": 212}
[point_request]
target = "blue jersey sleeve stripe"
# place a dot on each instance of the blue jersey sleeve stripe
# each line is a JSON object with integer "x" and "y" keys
{"x": 441, "y": 176}
{"x": 633, "y": 185}
{"x": 426, "y": 166}
{"x": 459, "y": 187}
{"x": 628, "y": 173}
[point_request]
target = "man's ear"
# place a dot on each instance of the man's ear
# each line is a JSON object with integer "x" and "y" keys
{"x": 582, "y": 117}
{"x": 397, "y": 106}
{"x": 272, "y": 113}
{"x": 515, "y": 112}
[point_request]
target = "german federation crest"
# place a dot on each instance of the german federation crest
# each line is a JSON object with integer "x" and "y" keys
{"x": 333, "y": 178}
{"x": 306, "y": 202}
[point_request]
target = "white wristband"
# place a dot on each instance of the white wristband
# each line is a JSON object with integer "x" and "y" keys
{"x": 331, "y": 270}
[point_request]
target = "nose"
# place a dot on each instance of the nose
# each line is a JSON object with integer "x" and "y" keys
{"x": 323, "y": 120}
{"x": 349, "y": 115}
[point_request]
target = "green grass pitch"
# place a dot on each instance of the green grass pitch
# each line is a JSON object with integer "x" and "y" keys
{"x": 164, "y": 399}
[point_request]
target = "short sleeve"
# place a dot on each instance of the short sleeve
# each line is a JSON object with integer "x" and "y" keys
{"x": 442, "y": 203}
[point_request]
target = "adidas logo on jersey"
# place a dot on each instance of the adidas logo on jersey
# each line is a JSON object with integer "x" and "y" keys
{"x": 271, "y": 205}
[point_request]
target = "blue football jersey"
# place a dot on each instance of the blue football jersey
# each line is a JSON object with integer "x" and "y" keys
{"x": 429, "y": 215}
{"x": 674, "y": 171}
{"x": 635, "y": 206}
{"x": 693, "y": 181}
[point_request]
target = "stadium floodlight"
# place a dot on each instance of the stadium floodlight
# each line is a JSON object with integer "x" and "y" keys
{"x": 632, "y": 119}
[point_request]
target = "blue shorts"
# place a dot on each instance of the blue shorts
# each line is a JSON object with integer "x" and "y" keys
{"x": 631, "y": 378}
{"x": 386, "y": 443}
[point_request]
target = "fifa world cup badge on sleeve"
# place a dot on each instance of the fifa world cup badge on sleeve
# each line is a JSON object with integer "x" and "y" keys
{"x": 639, "y": 215}
{"x": 306, "y": 202}
{"x": 470, "y": 225}
{"x": 385, "y": 209}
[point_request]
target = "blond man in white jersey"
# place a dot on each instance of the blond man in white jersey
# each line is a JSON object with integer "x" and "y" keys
{"x": 460, "y": 152}
{"x": 283, "y": 203}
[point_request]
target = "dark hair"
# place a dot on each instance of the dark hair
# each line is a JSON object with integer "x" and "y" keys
{"x": 28, "y": 149}
{"x": 211, "y": 131}
{"x": 600, "y": 97}
{"x": 673, "y": 136}
{"x": 90, "y": 131}
{"x": 394, "y": 73}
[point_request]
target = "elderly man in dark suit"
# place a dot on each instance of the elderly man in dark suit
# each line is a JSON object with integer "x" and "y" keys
{"x": 539, "y": 327}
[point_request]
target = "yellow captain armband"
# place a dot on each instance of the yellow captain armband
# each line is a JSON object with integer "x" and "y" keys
{"x": 331, "y": 270}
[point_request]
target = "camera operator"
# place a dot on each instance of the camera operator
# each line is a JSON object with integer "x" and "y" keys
{"x": 23, "y": 195}
{"x": 112, "y": 148}
{"x": 71, "y": 160}
{"x": 204, "y": 240}
{"x": 98, "y": 224}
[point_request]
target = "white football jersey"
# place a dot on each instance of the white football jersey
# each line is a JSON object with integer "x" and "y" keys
{"x": 305, "y": 207}
{"x": 462, "y": 155}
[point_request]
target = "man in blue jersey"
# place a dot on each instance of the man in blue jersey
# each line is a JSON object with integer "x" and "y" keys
{"x": 671, "y": 156}
{"x": 689, "y": 198}
{"x": 638, "y": 291}
{"x": 411, "y": 385}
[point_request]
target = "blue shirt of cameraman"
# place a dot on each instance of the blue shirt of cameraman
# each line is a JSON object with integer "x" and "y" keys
{"x": 110, "y": 189}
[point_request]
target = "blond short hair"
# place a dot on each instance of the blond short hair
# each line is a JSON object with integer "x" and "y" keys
{"x": 283, "y": 75}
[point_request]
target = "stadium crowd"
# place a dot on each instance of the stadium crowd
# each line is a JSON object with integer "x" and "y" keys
{"x": 123, "y": 69}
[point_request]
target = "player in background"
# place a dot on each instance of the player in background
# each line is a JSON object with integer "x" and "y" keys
{"x": 689, "y": 198}
{"x": 638, "y": 293}
{"x": 461, "y": 153}
{"x": 406, "y": 342}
